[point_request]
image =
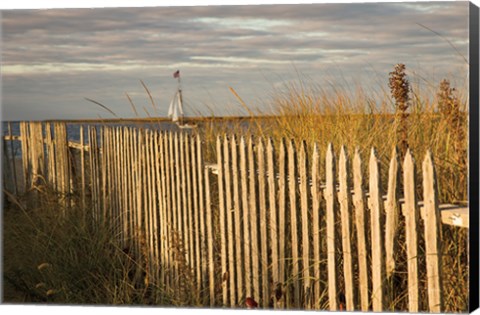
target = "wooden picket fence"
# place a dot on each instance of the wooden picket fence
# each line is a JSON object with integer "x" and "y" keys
{"x": 270, "y": 221}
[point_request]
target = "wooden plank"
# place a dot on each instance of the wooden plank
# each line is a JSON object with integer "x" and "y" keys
{"x": 230, "y": 227}
{"x": 432, "y": 224}
{"x": 282, "y": 205}
{"x": 359, "y": 203}
{"x": 160, "y": 152}
{"x": 345, "y": 199}
{"x": 253, "y": 221}
{"x": 391, "y": 214}
{"x": 14, "y": 162}
{"x": 210, "y": 239}
{"x": 304, "y": 206}
{"x": 410, "y": 211}
{"x": 173, "y": 177}
{"x": 237, "y": 206}
{"x": 201, "y": 178}
{"x": 25, "y": 155}
{"x": 330, "y": 193}
{"x": 262, "y": 199}
{"x": 316, "y": 221}
{"x": 223, "y": 219}
{"x": 246, "y": 218}
{"x": 272, "y": 205}
{"x": 292, "y": 193}
{"x": 182, "y": 192}
{"x": 189, "y": 205}
{"x": 105, "y": 166}
{"x": 197, "y": 216}
{"x": 82, "y": 165}
{"x": 376, "y": 209}
{"x": 169, "y": 205}
{"x": 52, "y": 175}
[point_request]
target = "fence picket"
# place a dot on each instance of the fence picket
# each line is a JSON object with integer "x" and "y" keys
{"x": 391, "y": 214}
{"x": 272, "y": 205}
{"x": 246, "y": 217}
{"x": 223, "y": 224}
{"x": 376, "y": 209}
{"x": 330, "y": 192}
{"x": 282, "y": 205}
{"x": 237, "y": 207}
{"x": 304, "y": 206}
{"x": 230, "y": 228}
{"x": 292, "y": 192}
{"x": 432, "y": 225}
{"x": 345, "y": 200}
{"x": 253, "y": 221}
{"x": 316, "y": 197}
{"x": 359, "y": 202}
{"x": 410, "y": 211}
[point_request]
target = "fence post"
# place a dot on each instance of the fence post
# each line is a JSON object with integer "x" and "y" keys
{"x": 330, "y": 192}
{"x": 360, "y": 219}
{"x": 230, "y": 228}
{"x": 410, "y": 211}
{"x": 246, "y": 218}
{"x": 376, "y": 209}
{"x": 292, "y": 189}
{"x": 237, "y": 220}
{"x": 223, "y": 231}
{"x": 345, "y": 198}
{"x": 273, "y": 219}
{"x": 391, "y": 210}
{"x": 254, "y": 221}
{"x": 304, "y": 205}
{"x": 262, "y": 199}
{"x": 316, "y": 197}
{"x": 433, "y": 234}
{"x": 282, "y": 202}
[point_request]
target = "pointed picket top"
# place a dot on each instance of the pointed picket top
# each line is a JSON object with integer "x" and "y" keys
{"x": 242, "y": 141}
{"x": 432, "y": 235}
{"x": 376, "y": 209}
{"x": 391, "y": 210}
{"x": 343, "y": 161}
{"x": 357, "y": 172}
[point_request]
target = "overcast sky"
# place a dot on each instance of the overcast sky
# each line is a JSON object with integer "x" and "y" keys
{"x": 53, "y": 59}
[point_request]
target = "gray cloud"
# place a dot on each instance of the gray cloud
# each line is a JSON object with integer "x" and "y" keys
{"x": 52, "y": 59}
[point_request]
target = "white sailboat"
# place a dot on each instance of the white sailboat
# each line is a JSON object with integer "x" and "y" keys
{"x": 175, "y": 111}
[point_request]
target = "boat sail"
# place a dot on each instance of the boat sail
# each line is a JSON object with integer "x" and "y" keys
{"x": 175, "y": 111}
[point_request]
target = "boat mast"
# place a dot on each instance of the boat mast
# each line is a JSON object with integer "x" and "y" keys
{"x": 180, "y": 100}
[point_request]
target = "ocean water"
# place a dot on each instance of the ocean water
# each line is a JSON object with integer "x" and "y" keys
{"x": 73, "y": 132}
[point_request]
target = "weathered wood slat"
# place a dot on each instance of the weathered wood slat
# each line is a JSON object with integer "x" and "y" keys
{"x": 316, "y": 219}
{"x": 305, "y": 206}
{"x": 237, "y": 208}
{"x": 391, "y": 214}
{"x": 433, "y": 251}
{"x": 223, "y": 219}
{"x": 262, "y": 200}
{"x": 246, "y": 218}
{"x": 210, "y": 239}
{"x": 360, "y": 219}
{"x": 410, "y": 211}
{"x": 345, "y": 200}
{"x": 253, "y": 221}
{"x": 272, "y": 205}
{"x": 330, "y": 193}
{"x": 229, "y": 216}
{"x": 282, "y": 206}
{"x": 292, "y": 193}
{"x": 376, "y": 210}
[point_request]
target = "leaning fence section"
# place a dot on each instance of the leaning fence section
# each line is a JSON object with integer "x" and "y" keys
{"x": 270, "y": 220}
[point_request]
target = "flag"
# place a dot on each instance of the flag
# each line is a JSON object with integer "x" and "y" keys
{"x": 176, "y": 74}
